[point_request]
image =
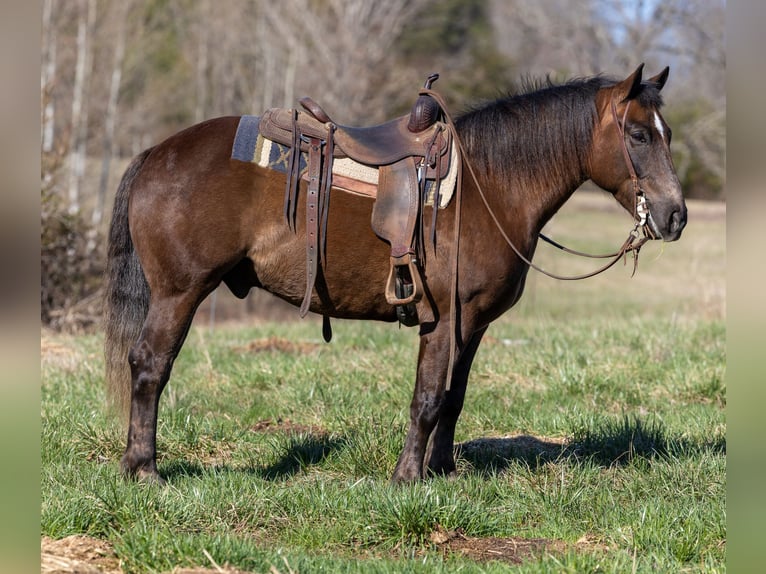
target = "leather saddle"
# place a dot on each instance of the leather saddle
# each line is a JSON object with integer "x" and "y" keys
{"x": 407, "y": 151}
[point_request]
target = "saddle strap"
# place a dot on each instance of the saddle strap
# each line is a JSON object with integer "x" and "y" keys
{"x": 324, "y": 191}
{"x": 312, "y": 220}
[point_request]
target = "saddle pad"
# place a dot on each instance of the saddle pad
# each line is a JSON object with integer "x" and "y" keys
{"x": 348, "y": 175}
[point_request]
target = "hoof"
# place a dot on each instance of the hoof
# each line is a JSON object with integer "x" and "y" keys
{"x": 143, "y": 474}
{"x": 399, "y": 481}
{"x": 150, "y": 477}
{"x": 448, "y": 474}
{"x": 400, "y": 477}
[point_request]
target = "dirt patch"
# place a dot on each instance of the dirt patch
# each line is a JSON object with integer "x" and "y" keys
{"x": 77, "y": 555}
{"x": 85, "y": 555}
{"x": 514, "y": 549}
{"x": 286, "y": 426}
{"x": 279, "y": 345}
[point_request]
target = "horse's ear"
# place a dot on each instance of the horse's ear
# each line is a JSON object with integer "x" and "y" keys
{"x": 630, "y": 86}
{"x": 660, "y": 79}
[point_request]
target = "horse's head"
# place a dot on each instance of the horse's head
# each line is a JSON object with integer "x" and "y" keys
{"x": 630, "y": 156}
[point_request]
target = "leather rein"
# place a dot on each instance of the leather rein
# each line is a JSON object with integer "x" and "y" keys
{"x": 632, "y": 243}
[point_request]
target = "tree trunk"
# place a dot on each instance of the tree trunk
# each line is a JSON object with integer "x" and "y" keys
{"x": 78, "y": 137}
{"x": 201, "y": 77}
{"x": 47, "y": 76}
{"x": 111, "y": 115}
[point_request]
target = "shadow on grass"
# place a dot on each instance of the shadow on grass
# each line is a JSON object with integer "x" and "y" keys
{"x": 300, "y": 452}
{"x": 607, "y": 443}
{"x": 173, "y": 469}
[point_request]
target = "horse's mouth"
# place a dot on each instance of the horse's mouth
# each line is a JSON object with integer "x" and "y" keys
{"x": 654, "y": 228}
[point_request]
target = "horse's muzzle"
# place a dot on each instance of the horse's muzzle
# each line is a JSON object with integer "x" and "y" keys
{"x": 667, "y": 221}
{"x": 674, "y": 225}
{"x": 677, "y": 223}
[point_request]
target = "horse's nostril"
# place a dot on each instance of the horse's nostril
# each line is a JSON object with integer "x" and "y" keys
{"x": 677, "y": 222}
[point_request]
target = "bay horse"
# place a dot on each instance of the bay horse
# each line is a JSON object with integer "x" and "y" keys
{"x": 187, "y": 217}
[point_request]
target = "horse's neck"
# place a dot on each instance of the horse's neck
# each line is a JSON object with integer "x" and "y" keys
{"x": 555, "y": 200}
{"x": 534, "y": 193}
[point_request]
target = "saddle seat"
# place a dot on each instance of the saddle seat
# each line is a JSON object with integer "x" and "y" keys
{"x": 385, "y": 143}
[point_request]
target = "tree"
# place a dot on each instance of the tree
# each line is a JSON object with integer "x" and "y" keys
{"x": 343, "y": 52}
{"x": 78, "y": 137}
{"x": 111, "y": 111}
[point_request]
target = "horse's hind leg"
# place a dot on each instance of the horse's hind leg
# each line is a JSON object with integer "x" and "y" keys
{"x": 440, "y": 455}
{"x": 151, "y": 360}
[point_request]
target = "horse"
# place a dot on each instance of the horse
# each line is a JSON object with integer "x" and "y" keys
{"x": 187, "y": 218}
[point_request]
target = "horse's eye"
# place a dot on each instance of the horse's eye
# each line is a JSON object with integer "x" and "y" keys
{"x": 638, "y": 136}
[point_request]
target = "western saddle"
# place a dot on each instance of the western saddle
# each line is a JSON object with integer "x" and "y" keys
{"x": 407, "y": 151}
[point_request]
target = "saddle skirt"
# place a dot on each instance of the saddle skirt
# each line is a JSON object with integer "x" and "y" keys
{"x": 347, "y": 175}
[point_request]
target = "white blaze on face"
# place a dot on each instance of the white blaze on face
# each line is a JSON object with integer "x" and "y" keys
{"x": 658, "y": 125}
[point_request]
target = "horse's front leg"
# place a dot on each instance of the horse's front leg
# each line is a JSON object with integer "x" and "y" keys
{"x": 440, "y": 454}
{"x": 426, "y": 402}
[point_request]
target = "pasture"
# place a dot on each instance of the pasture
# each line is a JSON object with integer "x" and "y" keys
{"x": 593, "y": 437}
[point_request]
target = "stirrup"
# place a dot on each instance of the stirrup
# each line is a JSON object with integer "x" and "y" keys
{"x": 406, "y": 314}
{"x": 400, "y": 296}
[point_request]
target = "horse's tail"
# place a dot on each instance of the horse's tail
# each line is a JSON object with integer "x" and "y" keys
{"x": 126, "y": 301}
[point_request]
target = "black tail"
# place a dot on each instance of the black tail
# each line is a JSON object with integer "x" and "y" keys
{"x": 126, "y": 301}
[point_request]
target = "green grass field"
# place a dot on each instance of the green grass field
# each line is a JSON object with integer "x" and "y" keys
{"x": 593, "y": 437}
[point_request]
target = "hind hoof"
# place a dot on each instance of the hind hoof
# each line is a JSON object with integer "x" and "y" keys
{"x": 144, "y": 474}
{"x": 150, "y": 477}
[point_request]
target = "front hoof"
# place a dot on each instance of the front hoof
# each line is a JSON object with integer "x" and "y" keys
{"x": 448, "y": 474}
{"x": 406, "y": 476}
{"x": 401, "y": 481}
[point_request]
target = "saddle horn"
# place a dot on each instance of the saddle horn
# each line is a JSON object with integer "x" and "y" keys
{"x": 425, "y": 111}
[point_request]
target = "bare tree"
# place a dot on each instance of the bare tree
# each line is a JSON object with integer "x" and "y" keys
{"x": 48, "y": 69}
{"x": 123, "y": 8}
{"x": 78, "y": 141}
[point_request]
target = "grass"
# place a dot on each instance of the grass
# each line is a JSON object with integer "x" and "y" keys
{"x": 594, "y": 427}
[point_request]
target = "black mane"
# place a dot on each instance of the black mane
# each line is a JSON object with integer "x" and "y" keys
{"x": 541, "y": 135}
